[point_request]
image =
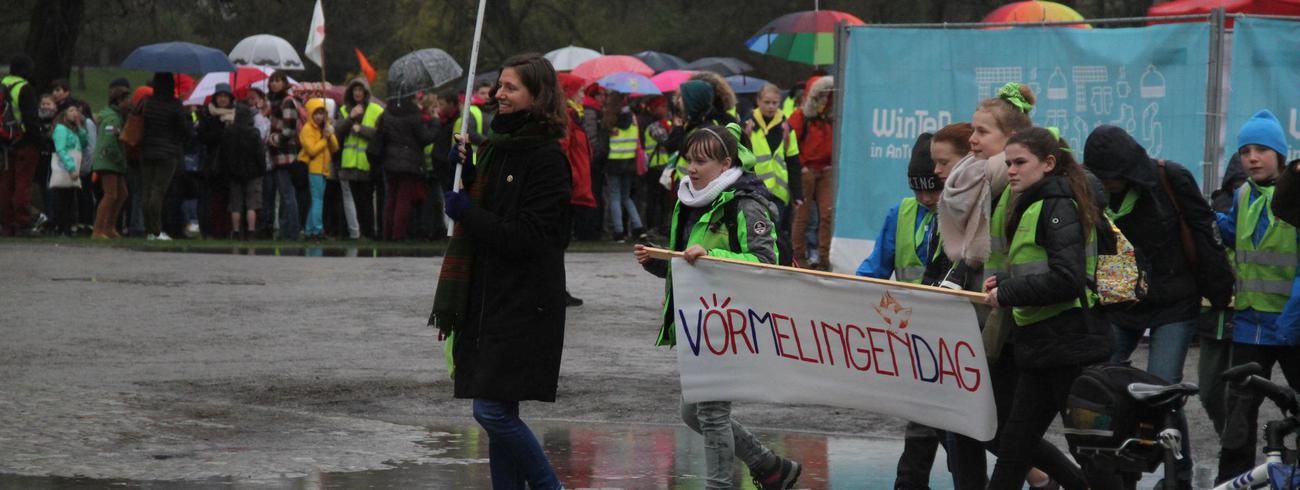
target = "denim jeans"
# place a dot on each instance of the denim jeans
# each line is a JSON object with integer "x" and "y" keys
{"x": 618, "y": 194}
{"x": 1169, "y": 344}
{"x": 724, "y": 440}
{"x": 289, "y": 227}
{"x": 315, "y": 217}
{"x": 515, "y": 456}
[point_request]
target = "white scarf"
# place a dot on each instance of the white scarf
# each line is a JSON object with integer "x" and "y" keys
{"x": 695, "y": 198}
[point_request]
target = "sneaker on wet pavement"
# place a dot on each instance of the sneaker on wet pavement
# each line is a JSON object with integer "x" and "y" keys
{"x": 782, "y": 477}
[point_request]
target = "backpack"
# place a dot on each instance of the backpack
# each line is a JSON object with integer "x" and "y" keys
{"x": 11, "y": 125}
{"x": 1100, "y": 416}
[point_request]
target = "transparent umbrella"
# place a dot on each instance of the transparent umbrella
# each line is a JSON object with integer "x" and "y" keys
{"x": 425, "y": 69}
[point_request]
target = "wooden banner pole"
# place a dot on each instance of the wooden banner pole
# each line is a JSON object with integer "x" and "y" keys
{"x": 973, "y": 296}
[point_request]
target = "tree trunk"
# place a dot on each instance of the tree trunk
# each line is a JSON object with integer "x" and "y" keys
{"x": 52, "y": 39}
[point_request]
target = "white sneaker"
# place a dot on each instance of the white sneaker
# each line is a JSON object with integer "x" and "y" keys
{"x": 151, "y": 237}
{"x": 192, "y": 230}
{"x": 163, "y": 237}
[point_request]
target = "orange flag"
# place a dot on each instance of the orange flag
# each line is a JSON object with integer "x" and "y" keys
{"x": 365, "y": 66}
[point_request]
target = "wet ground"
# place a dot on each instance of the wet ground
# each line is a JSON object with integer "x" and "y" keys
{"x": 172, "y": 370}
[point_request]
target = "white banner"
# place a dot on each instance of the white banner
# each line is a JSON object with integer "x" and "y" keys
{"x": 755, "y": 334}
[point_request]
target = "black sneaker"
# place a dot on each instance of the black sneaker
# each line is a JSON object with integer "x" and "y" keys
{"x": 782, "y": 477}
{"x": 570, "y": 301}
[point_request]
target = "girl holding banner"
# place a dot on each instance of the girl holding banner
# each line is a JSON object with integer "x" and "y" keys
{"x": 1045, "y": 284}
{"x": 722, "y": 211}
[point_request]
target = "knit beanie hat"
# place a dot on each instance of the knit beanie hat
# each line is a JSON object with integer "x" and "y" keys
{"x": 697, "y": 96}
{"x": 920, "y": 169}
{"x": 1263, "y": 129}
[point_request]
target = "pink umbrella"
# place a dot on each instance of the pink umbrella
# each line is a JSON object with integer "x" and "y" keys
{"x": 669, "y": 81}
{"x": 597, "y": 68}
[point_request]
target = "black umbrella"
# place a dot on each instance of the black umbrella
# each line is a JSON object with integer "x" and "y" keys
{"x": 177, "y": 57}
{"x": 660, "y": 62}
{"x": 722, "y": 66}
{"x": 425, "y": 69}
{"x": 487, "y": 77}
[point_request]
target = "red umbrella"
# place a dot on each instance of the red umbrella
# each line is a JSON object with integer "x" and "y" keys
{"x": 597, "y": 68}
{"x": 1193, "y": 7}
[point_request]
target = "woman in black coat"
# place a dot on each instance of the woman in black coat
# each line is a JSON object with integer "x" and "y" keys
{"x": 1047, "y": 288}
{"x": 501, "y": 292}
{"x": 167, "y": 128}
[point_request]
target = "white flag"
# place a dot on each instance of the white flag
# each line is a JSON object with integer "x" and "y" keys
{"x": 316, "y": 37}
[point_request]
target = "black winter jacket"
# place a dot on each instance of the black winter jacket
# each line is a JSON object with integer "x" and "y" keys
{"x": 1074, "y": 337}
{"x": 400, "y": 138}
{"x": 511, "y": 343}
{"x": 241, "y": 153}
{"x": 167, "y": 126}
{"x": 1152, "y": 227}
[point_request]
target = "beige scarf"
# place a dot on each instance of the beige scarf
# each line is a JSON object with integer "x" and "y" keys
{"x": 966, "y": 205}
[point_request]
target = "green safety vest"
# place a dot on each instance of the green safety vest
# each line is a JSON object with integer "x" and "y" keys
{"x": 908, "y": 266}
{"x": 655, "y": 158}
{"x": 997, "y": 261}
{"x": 622, "y": 145}
{"x": 455, "y": 125}
{"x": 15, "y": 85}
{"x": 769, "y": 164}
{"x": 787, "y": 106}
{"x": 354, "y": 147}
{"x": 712, "y": 233}
{"x": 1264, "y": 272}
{"x": 1028, "y": 258}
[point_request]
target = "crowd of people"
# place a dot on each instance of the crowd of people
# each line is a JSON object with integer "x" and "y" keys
{"x": 1000, "y": 206}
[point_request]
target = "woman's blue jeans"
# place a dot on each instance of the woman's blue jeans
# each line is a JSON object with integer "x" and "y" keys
{"x": 618, "y": 196}
{"x": 515, "y": 456}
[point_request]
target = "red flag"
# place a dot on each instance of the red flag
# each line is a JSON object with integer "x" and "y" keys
{"x": 365, "y": 66}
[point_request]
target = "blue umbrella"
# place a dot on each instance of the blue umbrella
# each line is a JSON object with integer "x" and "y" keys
{"x": 178, "y": 57}
{"x": 629, "y": 83}
{"x": 742, "y": 84}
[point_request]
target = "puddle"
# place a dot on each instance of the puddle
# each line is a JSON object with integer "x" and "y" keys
{"x": 298, "y": 251}
{"x": 586, "y": 456}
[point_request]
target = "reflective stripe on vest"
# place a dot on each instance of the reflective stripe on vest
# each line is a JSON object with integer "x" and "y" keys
{"x": 997, "y": 261}
{"x": 770, "y": 166}
{"x": 622, "y": 145}
{"x": 908, "y": 266}
{"x": 354, "y": 147}
{"x": 1265, "y": 272}
{"x": 1027, "y": 257}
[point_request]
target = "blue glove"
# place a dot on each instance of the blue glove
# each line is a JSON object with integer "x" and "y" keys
{"x": 457, "y": 204}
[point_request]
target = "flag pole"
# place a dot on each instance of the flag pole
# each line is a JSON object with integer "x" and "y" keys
{"x": 469, "y": 87}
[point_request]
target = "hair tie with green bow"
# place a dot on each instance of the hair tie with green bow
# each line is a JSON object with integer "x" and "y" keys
{"x": 1011, "y": 93}
{"x": 1056, "y": 132}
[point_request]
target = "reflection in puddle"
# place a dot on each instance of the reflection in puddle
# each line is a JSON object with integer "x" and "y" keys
{"x": 585, "y": 456}
{"x": 303, "y": 251}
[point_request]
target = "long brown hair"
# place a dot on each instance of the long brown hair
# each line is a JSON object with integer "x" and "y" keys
{"x": 539, "y": 78}
{"x": 1042, "y": 143}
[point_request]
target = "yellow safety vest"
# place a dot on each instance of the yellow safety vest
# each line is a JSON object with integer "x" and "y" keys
{"x": 656, "y": 158}
{"x": 354, "y": 147}
{"x": 622, "y": 145}
{"x": 769, "y": 164}
{"x": 478, "y": 128}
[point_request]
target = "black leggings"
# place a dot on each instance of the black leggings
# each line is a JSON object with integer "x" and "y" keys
{"x": 1040, "y": 395}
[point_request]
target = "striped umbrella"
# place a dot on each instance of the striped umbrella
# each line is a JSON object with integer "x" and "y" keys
{"x": 806, "y": 37}
{"x": 1033, "y": 11}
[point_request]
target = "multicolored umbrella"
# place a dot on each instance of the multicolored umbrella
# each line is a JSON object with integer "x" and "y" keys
{"x": 597, "y": 68}
{"x": 806, "y": 37}
{"x": 669, "y": 81}
{"x": 634, "y": 84}
{"x": 1034, "y": 11}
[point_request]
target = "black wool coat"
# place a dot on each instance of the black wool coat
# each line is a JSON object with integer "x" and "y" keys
{"x": 510, "y": 345}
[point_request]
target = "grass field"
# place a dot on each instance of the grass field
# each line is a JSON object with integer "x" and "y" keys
{"x": 97, "y": 80}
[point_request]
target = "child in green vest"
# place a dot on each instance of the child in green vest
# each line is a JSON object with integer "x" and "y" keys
{"x": 906, "y": 240}
{"x": 721, "y": 212}
{"x": 1266, "y": 324}
{"x": 1046, "y": 286}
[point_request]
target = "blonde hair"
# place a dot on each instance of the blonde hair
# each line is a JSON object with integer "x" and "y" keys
{"x": 1010, "y": 118}
{"x": 769, "y": 88}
